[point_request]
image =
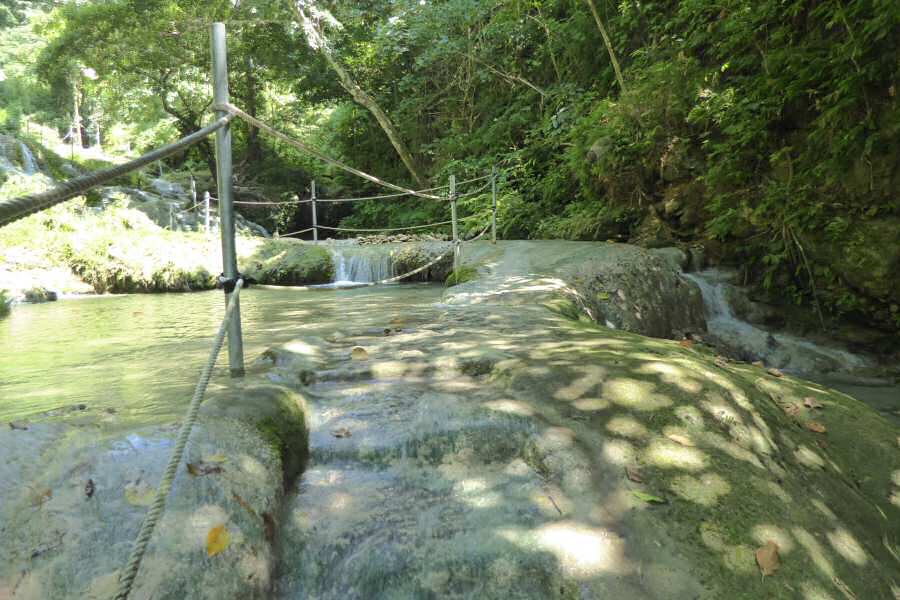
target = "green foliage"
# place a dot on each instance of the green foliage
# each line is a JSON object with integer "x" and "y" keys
{"x": 461, "y": 275}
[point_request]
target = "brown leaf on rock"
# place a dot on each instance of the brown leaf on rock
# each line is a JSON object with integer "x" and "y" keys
{"x": 758, "y": 363}
{"x": 633, "y": 474}
{"x": 686, "y": 343}
{"x": 816, "y": 426}
{"x": 811, "y": 402}
{"x": 217, "y": 540}
{"x": 792, "y": 409}
{"x": 269, "y": 526}
{"x": 341, "y": 432}
{"x": 822, "y": 443}
{"x": 721, "y": 361}
{"x": 39, "y": 497}
{"x": 767, "y": 558}
{"x": 201, "y": 468}
{"x": 774, "y": 372}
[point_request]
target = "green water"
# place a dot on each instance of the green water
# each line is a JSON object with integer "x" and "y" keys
{"x": 140, "y": 355}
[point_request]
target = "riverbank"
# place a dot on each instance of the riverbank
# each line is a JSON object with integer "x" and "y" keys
{"x": 488, "y": 444}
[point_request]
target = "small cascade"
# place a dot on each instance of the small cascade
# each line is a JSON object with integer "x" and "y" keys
{"x": 749, "y": 342}
{"x": 29, "y": 164}
{"x": 360, "y": 264}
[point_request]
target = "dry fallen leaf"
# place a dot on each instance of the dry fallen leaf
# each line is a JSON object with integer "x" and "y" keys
{"x": 822, "y": 443}
{"x": 767, "y": 558}
{"x": 774, "y": 372}
{"x": 341, "y": 432}
{"x": 201, "y": 468}
{"x": 269, "y": 526}
{"x": 39, "y": 497}
{"x": 686, "y": 343}
{"x": 816, "y": 426}
{"x": 681, "y": 439}
{"x": 359, "y": 353}
{"x": 721, "y": 361}
{"x": 812, "y": 403}
{"x": 217, "y": 540}
{"x": 633, "y": 474}
{"x": 758, "y": 363}
{"x": 792, "y": 409}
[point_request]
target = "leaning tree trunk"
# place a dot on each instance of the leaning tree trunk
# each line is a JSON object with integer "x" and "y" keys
{"x": 609, "y": 48}
{"x": 359, "y": 95}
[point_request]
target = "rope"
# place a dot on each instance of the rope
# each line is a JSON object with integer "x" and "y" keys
{"x": 411, "y": 227}
{"x": 268, "y": 203}
{"x": 399, "y": 194}
{"x": 230, "y": 108}
{"x": 284, "y": 235}
{"x": 475, "y": 192}
{"x": 18, "y": 208}
{"x": 126, "y": 580}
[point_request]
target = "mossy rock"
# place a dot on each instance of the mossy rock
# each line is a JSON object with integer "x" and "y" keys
{"x": 285, "y": 261}
{"x": 461, "y": 275}
{"x": 410, "y": 257}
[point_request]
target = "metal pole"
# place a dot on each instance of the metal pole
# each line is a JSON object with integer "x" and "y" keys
{"x": 206, "y": 202}
{"x": 455, "y": 222}
{"x": 314, "y": 217}
{"x": 193, "y": 195}
{"x": 171, "y": 218}
{"x": 226, "y": 208}
{"x": 494, "y": 202}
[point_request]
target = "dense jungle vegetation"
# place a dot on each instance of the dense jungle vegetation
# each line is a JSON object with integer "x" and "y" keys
{"x": 765, "y": 132}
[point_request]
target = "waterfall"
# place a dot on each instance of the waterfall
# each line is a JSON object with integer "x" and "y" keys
{"x": 360, "y": 264}
{"x": 749, "y": 342}
{"x": 29, "y": 164}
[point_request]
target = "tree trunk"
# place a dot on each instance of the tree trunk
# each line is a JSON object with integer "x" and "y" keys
{"x": 254, "y": 148}
{"x": 609, "y": 48}
{"x": 318, "y": 42}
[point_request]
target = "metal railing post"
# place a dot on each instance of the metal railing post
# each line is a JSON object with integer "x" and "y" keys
{"x": 494, "y": 204}
{"x": 315, "y": 224}
{"x": 206, "y": 207}
{"x": 171, "y": 218}
{"x": 455, "y": 222}
{"x": 226, "y": 206}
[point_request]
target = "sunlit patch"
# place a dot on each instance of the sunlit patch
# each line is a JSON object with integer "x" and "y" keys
{"x": 582, "y": 551}
{"x": 551, "y": 501}
{"x": 674, "y": 375}
{"x": 476, "y": 493}
{"x": 705, "y": 490}
{"x": 340, "y": 502}
{"x": 591, "y": 404}
{"x": 301, "y": 347}
{"x": 512, "y": 407}
{"x": 252, "y": 466}
{"x": 666, "y": 454}
{"x": 808, "y": 458}
{"x": 619, "y": 452}
{"x": 591, "y": 376}
{"x": 690, "y": 416}
{"x": 822, "y": 508}
{"x": 895, "y": 498}
{"x": 846, "y": 545}
{"x": 731, "y": 449}
{"x": 202, "y": 520}
{"x": 739, "y": 558}
{"x": 634, "y": 394}
{"x": 627, "y": 427}
{"x": 815, "y": 550}
{"x": 771, "y": 487}
{"x": 813, "y": 591}
{"x": 255, "y": 568}
{"x": 765, "y": 532}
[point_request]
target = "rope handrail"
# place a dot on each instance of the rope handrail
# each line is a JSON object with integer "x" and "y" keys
{"x": 17, "y": 208}
{"x": 126, "y": 580}
{"x": 271, "y": 203}
{"x": 411, "y": 227}
{"x": 400, "y": 194}
{"x": 234, "y": 110}
{"x": 284, "y": 235}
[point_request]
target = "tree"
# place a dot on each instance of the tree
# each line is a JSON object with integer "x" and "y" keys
{"x": 312, "y": 20}
{"x": 608, "y": 44}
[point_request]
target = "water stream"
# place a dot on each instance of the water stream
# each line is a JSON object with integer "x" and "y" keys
{"x": 141, "y": 354}
{"x": 360, "y": 264}
{"x": 29, "y": 164}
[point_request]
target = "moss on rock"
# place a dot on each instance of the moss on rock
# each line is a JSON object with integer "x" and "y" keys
{"x": 410, "y": 257}
{"x": 285, "y": 261}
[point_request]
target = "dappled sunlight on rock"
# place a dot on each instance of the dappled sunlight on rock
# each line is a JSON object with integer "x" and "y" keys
{"x": 512, "y": 407}
{"x": 551, "y": 501}
{"x": 673, "y": 375}
{"x": 340, "y": 502}
{"x": 813, "y": 591}
{"x": 765, "y": 532}
{"x": 843, "y": 542}
{"x": 201, "y": 521}
{"x": 808, "y": 458}
{"x": 730, "y": 448}
{"x": 771, "y": 487}
{"x": 589, "y": 377}
{"x": 591, "y": 404}
{"x": 690, "y": 416}
{"x": 704, "y": 490}
{"x": 669, "y": 455}
{"x": 627, "y": 427}
{"x": 815, "y": 550}
{"x": 619, "y": 452}
{"x": 634, "y": 394}
{"x": 822, "y": 508}
{"x": 739, "y": 558}
{"x": 582, "y": 551}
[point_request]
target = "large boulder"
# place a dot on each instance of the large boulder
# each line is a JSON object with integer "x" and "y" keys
{"x": 76, "y": 492}
{"x": 285, "y": 261}
{"x": 639, "y": 291}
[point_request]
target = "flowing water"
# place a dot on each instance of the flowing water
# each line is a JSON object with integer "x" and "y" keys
{"x": 360, "y": 264}
{"x": 29, "y": 164}
{"x": 141, "y": 354}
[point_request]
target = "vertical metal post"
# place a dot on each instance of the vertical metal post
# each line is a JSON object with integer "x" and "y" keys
{"x": 494, "y": 204}
{"x": 315, "y": 224}
{"x": 194, "y": 194}
{"x": 206, "y": 203}
{"x": 455, "y": 222}
{"x": 171, "y": 218}
{"x": 226, "y": 208}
